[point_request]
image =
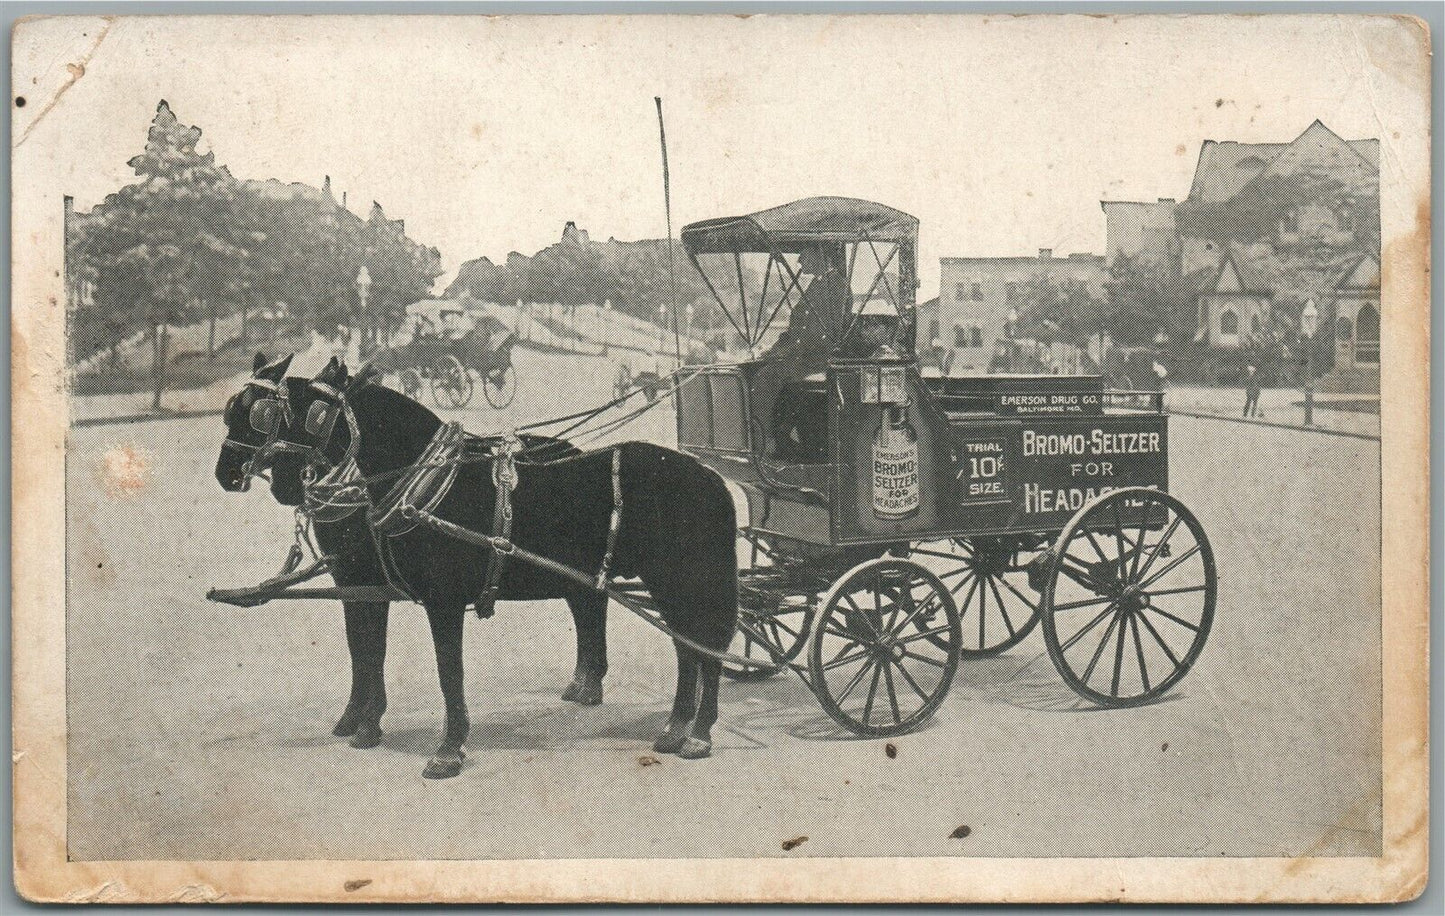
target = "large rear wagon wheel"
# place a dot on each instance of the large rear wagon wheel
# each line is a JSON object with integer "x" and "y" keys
{"x": 1129, "y": 597}
{"x": 873, "y": 672}
{"x": 989, "y": 581}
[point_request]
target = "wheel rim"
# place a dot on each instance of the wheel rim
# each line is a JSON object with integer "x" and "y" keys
{"x": 500, "y": 387}
{"x": 451, "y": 384}
{"x": 1130, "y": 597}
{"x": 872, "y": 671}
{"x": 989, "y": 583}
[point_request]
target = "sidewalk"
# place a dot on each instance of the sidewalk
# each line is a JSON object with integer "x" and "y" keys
{"x": 1277, "y": 406}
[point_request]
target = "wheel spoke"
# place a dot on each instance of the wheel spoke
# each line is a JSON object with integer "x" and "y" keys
{"x": 1086, "y": 602}
{"x": 1003, "y": 611}
{"x": 1160, "y": 640}
{"x": 1177, "y": 591}
{"x": 917, "y": 610}
{"x": 982, "y": 613}
{"x": 1168, "y": 569}
{"x": 1139, "y": 651}
{"x": 857, "y": 678}
{"x": 925, "y": 634}
{"x": 872, "y": 692}
{"x": 1098, "y": 653}
{"x": 1119, "y": 654}
{"x": 1032, "y": 605}
{"x": 1119, "y": 535}
{"x": 1154, "y": 554}
{"x": 1139, "y": 544}
{"x": 1179, "y": 620}
{"x": 839, "y": 661}
{"x": 967, "y": 602}
{"x": 892, "y": 694}
{"x": 923, "y": 658}
{"x": 1087, "y": 627}
{"x": 911, "y": 682}
{"x": 960, "y": 571}
{"x": 1094, "y": 541}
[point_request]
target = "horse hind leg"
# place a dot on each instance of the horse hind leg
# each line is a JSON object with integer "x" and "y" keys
{"x": 684, "y": 703}
{"x": 355, "y": 626}
{"x": 699, "y": 743}
{"x": 589, "y": 616}
{"x": 446, "y": 627}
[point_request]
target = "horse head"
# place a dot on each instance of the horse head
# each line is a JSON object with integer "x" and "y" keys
{"x": 338, "y": 419}
{"x": 254, "y": 417}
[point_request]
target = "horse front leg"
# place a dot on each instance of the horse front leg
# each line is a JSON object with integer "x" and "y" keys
{"x": 355, "y": 613}
{"x": 446, "y": 632}
{"x": 589, "y": 617}
{"x": 372, "y": 644}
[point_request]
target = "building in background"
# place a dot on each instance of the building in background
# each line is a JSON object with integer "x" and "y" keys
{"x": 970, "y": 318}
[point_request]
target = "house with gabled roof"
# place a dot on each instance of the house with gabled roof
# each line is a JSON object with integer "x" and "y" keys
{"x": 1268, "y": 227}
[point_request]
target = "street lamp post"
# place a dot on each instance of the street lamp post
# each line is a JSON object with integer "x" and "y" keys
{"x": 363, "y": 289}
{"x": 1011, "y": 331}
{"x": 1309, "y": 323}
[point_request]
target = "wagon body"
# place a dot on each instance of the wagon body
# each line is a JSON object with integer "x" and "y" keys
{"x": 996, "y": 455}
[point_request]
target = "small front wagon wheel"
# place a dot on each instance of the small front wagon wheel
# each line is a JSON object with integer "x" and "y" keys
{"x": 874, "y": 672}
{"x": 1129, "y": 597}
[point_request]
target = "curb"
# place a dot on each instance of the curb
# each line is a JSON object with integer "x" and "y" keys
{"x": 144, "y": 417}
{"x": 1303, "y": 429}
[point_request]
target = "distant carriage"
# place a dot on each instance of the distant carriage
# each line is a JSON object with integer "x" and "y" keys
{"x": 450, "y": 363}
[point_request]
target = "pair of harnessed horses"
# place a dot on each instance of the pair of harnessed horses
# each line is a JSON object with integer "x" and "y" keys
{"x": 398, "y": 500}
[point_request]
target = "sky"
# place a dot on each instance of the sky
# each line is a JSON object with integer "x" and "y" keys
{"x": 1002, "y": 134}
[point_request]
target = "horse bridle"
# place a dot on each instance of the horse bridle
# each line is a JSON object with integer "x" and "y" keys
{"x": 272, "y": 413}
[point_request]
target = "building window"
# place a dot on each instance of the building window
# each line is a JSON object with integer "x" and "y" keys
{"x": 933, "y": 338}
{"x": 1254, "y": 324}
{"x": 1228, "y": 323}
{"x": 978, "y": 292}
{"x": 960, "y": 336}
{"x": 976, "y": 337}
{"x": 958, "y": 292}
{"x": 1289, "y": 222}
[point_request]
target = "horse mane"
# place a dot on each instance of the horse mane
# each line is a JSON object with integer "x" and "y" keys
{"x": 394, "y": 428}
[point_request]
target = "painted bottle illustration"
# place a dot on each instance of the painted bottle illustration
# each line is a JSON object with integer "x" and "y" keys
{"x": 896, "y": 491}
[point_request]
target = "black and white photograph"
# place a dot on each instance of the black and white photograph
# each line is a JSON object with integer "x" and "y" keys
{"x": 711, "y": 458}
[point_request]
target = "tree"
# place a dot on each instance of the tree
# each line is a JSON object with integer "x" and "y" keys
{"x": 159, "y": 248}
{"x": 1147, "y": 296}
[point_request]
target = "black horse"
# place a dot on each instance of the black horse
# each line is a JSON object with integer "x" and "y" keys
{"x": 354, "y": 562}
{"x": 677, "y": 535}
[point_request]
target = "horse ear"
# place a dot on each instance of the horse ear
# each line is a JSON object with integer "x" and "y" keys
{"x": 334, "y": 374}
{"x": 258, "y": 362}
{"x": 364, "y": 376}
{"x": 277, "y": 370}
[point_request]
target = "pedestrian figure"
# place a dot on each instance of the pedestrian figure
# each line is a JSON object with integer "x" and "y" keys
{"x": 1251, "y": 392}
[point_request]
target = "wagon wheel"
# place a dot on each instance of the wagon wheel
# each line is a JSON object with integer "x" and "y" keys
{"x": 500, "y": 386}
{"x": 873, "y": 673}
{"x": 774, "y": 616}
{"x": 411, "y": 383}
{"x": 1138, "y": 563}
{"x": 989, "y": 581}
{"x": 451, "y": 383}
{"x": 622, "y": 381}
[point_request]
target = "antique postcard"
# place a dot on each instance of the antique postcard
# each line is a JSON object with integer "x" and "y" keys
{"x": 720, "y": 459}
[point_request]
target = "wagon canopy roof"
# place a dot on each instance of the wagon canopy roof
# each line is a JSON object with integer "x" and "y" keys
{"x": 801, "y": 223}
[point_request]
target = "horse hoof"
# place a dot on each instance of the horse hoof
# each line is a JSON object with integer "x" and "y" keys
{"x": 346, "y": 725}
{"x": 366, "y": 737}
{"x": 695, "y": 749}
{"x": 583, "y": 692}
{"x": 669, "y": 743}
{"x": 442, "y": 768}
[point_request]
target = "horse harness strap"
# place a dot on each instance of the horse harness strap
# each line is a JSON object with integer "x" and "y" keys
{"x": 615, "y": 524}
{"x": 504, "y": 476}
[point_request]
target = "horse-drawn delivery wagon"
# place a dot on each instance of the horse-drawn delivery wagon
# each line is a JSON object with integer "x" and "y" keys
{"x": 897, "y": 523}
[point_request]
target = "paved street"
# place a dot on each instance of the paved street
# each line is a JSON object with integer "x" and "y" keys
{"x": 203, "y": 731}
